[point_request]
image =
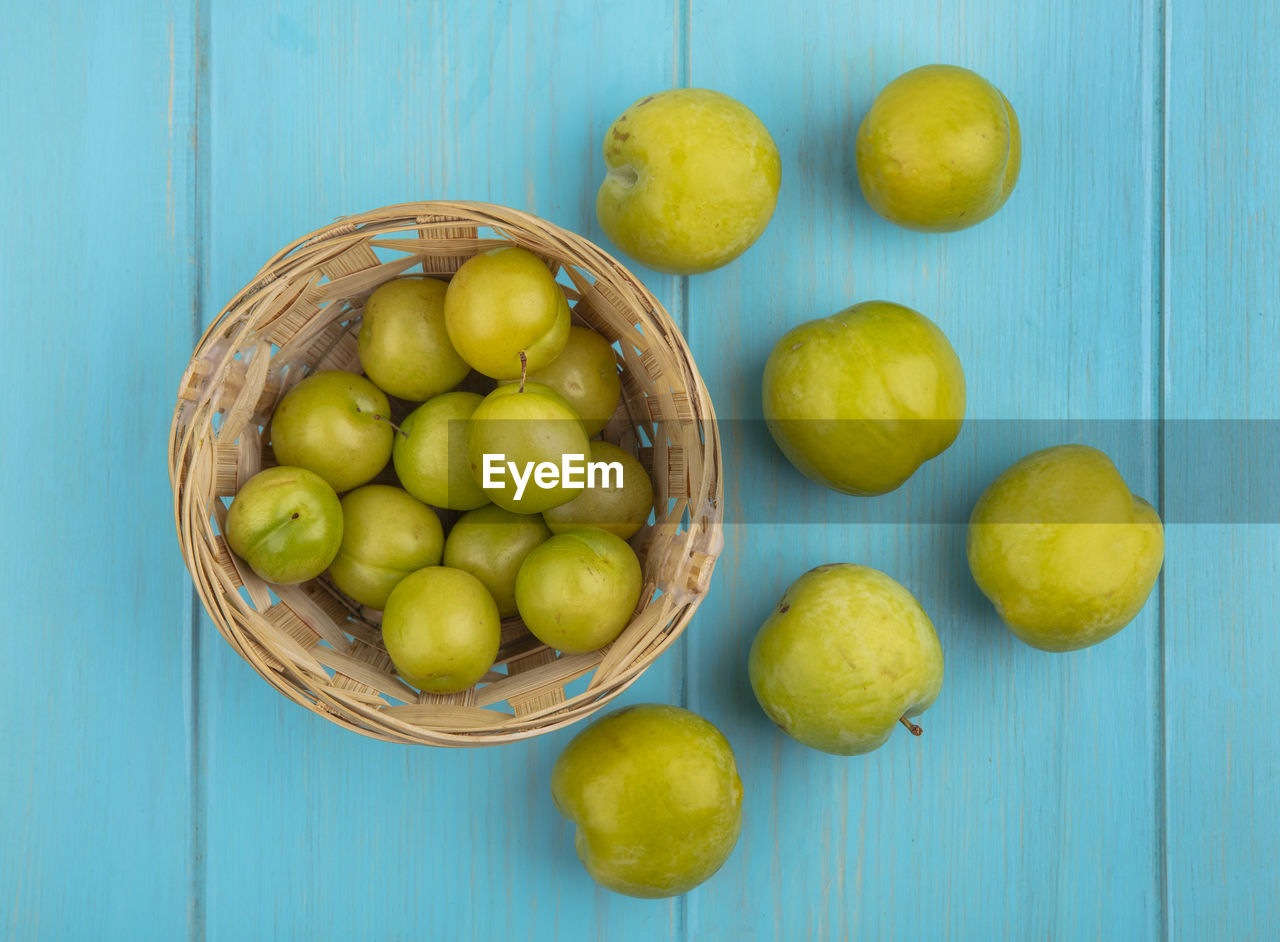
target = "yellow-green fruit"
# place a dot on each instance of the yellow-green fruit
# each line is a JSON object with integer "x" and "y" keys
{"x": 404, "y": 347}
{"x": 502, "y": 303}
{"x": 586, "y": 375}
{"x": 939, "y": 150}
{"x": 692, "y": 181}
{"x": 386, "y": 534}
{"x": 1064, "y": 551}
{"x": 491, "y": 544}
{"x": 335, "y": 424}
{"x": 441, "y": 628}
{"x": 620, "y": 509}
{"x": 430, "y": 453}
{"x": 859, "y": 400}
{"x": 578, "y": 590}
{"x": 524, "y": 427}
{"x": 286, "y": 523}
{"x": 846, "y": 655}
{"x": 656, "y": 797}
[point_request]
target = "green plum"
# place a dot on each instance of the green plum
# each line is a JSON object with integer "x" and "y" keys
{"x": 1062, "y": 548}
{"x": 502, "y": 304}
{"x": 655, "y": 794}
{"x": 430, "y": 453}
{"x": 286, "y": 523}
{"x": 386, "y": 534}
{"x": 491, "y": 543}
{"x": 517, "y": 440}
{"x": 586, "y": 375}
{"x": 579, "y": 589}
{"x": 404, "y": 347}
{"x": 847, "y": 654}
{"x": 336, "y": 424}
{"x": 939, "y": 150}
{"x": 441, "y": 628}
{"x": 692, "y": 180}
{"x": 622, "y": 510}
{"x": 859, "y": 400}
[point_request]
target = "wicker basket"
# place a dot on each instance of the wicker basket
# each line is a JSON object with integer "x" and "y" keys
{"x": 302, "y": 313}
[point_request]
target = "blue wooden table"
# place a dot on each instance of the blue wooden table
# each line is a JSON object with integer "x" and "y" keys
{"x": 154, "y": 154}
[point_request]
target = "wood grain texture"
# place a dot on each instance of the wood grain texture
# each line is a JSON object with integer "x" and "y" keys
{"x": 1005, "y": 819}
{"x": 1124, "y": 792}
{"x": 97, "y": 284}
{"x": 374, "y": 104}
{"x": 1222, "y": 581}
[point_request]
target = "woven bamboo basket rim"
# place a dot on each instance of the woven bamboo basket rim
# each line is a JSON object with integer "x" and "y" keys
{"x": 300, "y": 313}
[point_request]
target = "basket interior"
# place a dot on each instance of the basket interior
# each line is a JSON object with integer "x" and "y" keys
{"x": 302, "y": 314}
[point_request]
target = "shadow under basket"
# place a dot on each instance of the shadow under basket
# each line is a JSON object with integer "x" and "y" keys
{"x": 301, "y": 313}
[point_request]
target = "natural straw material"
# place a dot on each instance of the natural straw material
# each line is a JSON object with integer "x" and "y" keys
{"x": 302, "y": 313}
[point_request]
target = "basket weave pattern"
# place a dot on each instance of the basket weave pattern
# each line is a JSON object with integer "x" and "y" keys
{"x": 301, "y": 313}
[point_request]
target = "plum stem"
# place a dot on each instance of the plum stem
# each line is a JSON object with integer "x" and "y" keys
{"x": 524, "y": 369}
{"x": 915, "y": 730}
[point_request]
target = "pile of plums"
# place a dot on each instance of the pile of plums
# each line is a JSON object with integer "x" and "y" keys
{"x": 534, "y": 539}
{"x": 856, "y": 401}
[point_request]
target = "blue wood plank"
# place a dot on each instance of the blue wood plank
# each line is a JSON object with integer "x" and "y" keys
{"x": 97, "y": 286}
{"x": 313, "y": 832}
{"x": 1030, "y": 808}
{"x": 1221, "y": 580}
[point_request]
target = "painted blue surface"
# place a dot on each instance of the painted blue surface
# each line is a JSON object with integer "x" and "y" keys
{"x": 152, "y": 786}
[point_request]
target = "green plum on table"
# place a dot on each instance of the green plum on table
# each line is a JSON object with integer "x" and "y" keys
{"x": 430, "y": 452}
{"x": 504, "y": 303}
{"x": 655, "y": 794}
{"x": 386, "y": 534}
{"x": 859, "y": 400}
{"x": 846, "y": 655}
{"x": 692, "y": 180}
{"x": 441, "y": 629}
{"x": 404, "y": 347}
{"x": 1062, "y": 548}
{"x": 336, "y": 424}
{"x": 586, "y": 375}
{"x": 578, "y": 590}
{"x": 491, "y": 544}
{"x": 286, "y": 523}
{"x": 622, "y": 510}
{"x": 523, "y": 429}
{"x": 939, "y": 150}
